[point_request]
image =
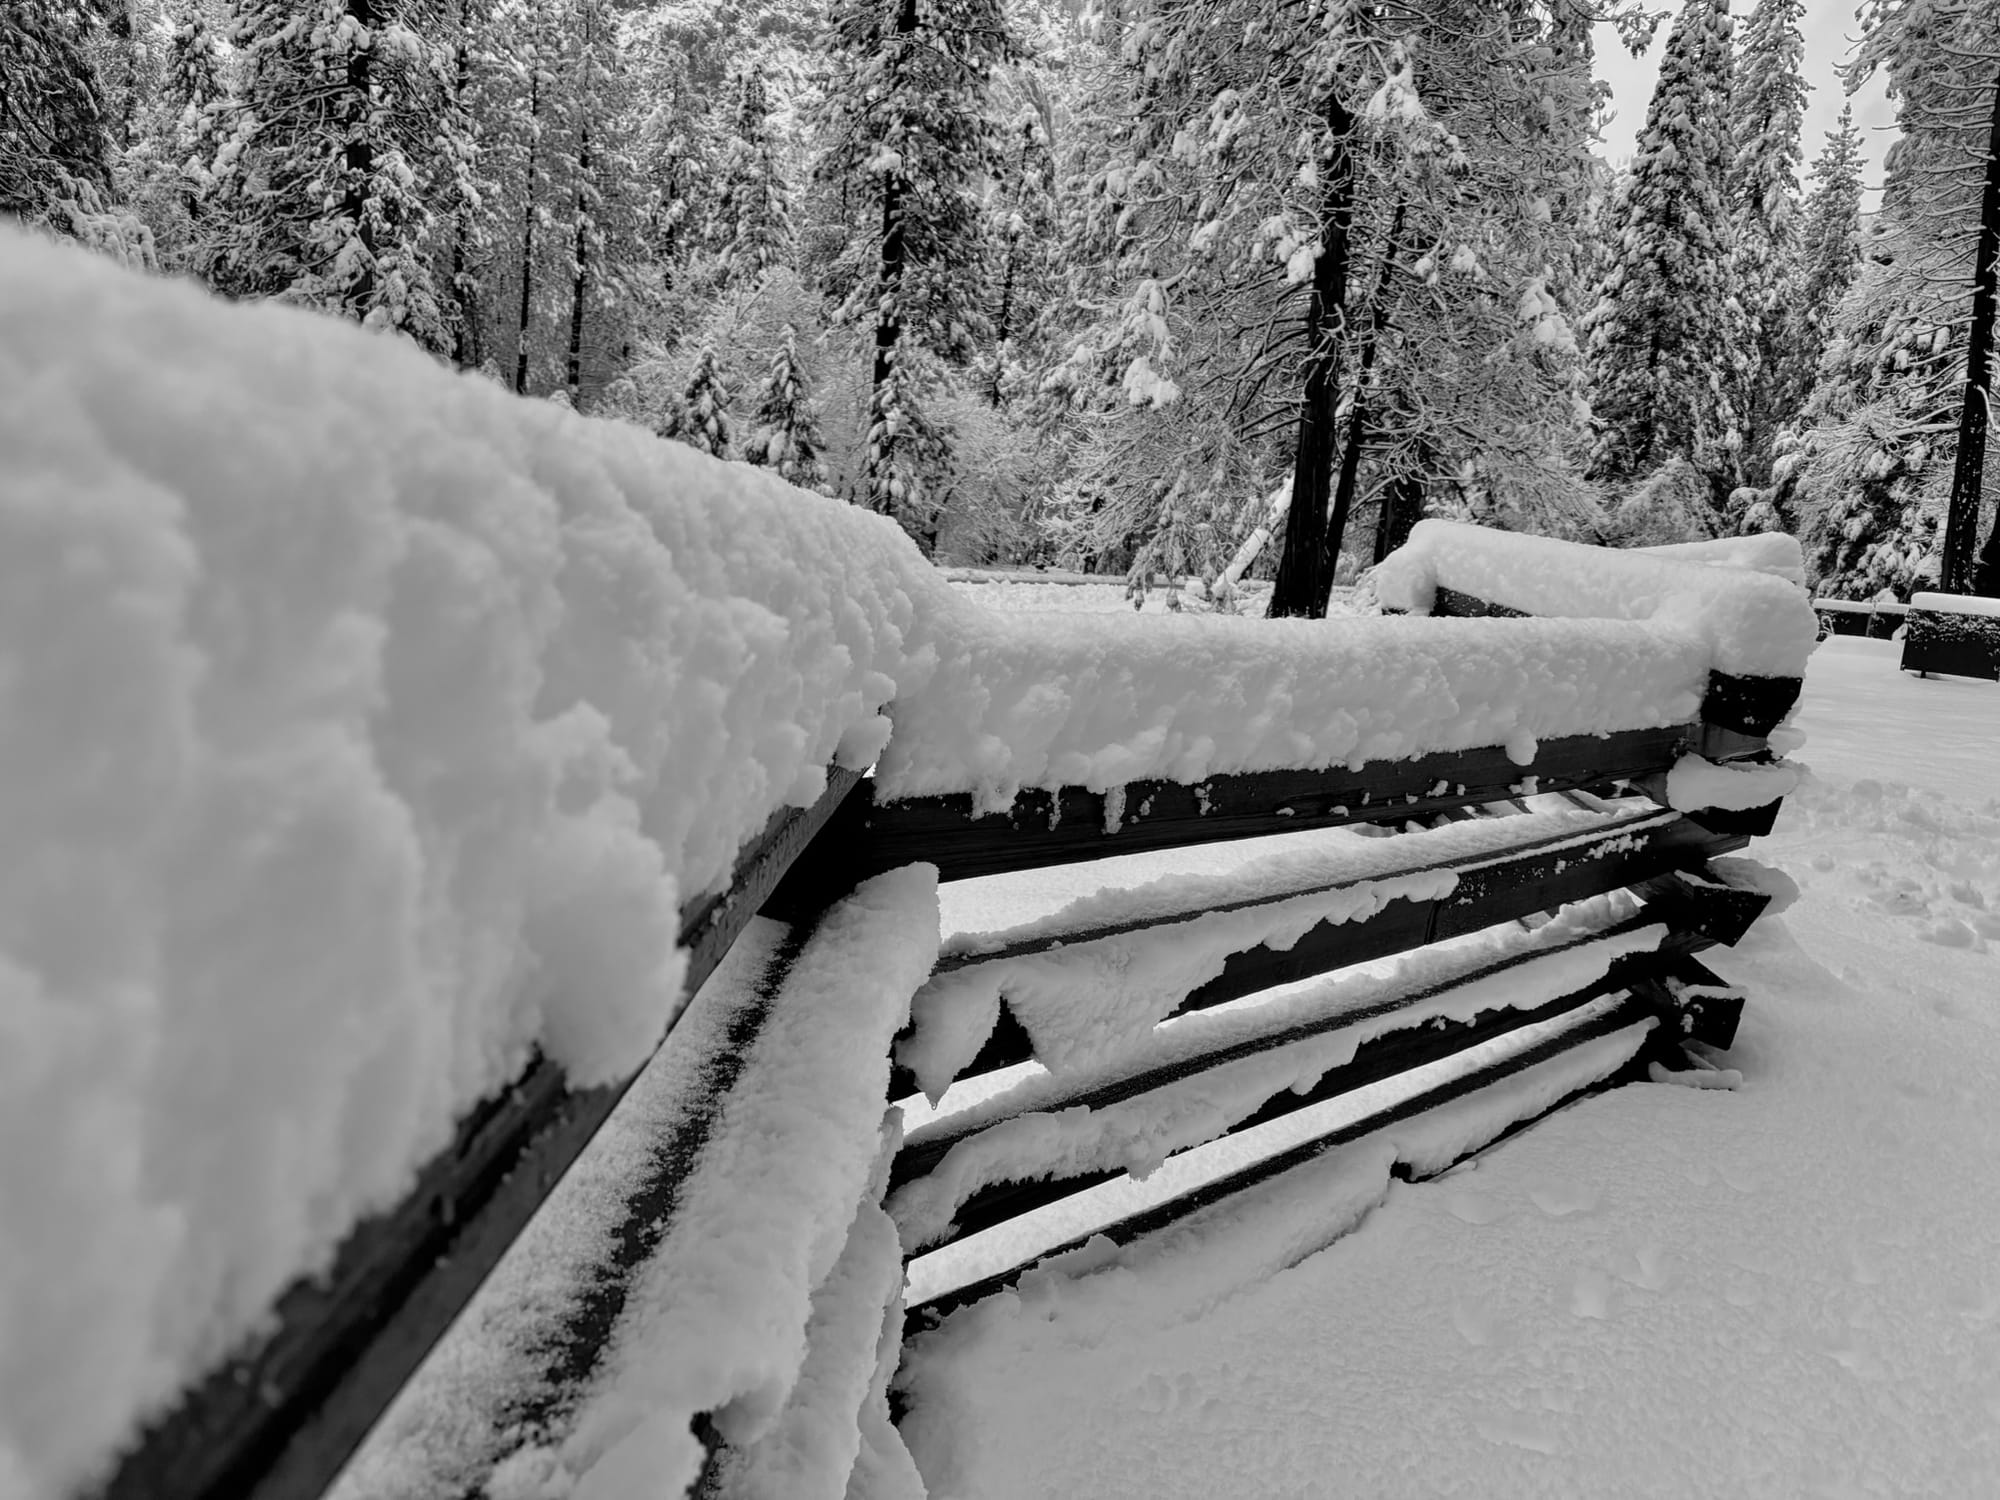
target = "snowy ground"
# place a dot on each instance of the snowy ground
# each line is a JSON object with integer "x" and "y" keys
{"x": 1793, "y": 1289}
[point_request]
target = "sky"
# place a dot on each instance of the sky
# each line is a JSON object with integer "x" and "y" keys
{"x": 1829, "y": 28}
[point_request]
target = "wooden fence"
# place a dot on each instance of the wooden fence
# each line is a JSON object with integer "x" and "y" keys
{"x": 281, "y": 1420}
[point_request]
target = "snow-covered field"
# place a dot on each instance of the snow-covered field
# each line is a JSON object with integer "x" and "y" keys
{"x": 1791, "y": 1289}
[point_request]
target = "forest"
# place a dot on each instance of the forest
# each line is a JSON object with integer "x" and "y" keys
{"x": 1178, "y": 289}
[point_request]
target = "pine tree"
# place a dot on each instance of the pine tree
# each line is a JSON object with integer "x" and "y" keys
{"x": 196, "y": 94}
{"x": 787, "y": 437}
{"x": 752, "y": 227}
{"x": 701, "y": 417}
{"x": 908, "y": 136}
{"x": 319, "y": 177}
{"x": 1666, "y": 335}
{"x": 1874, "y": 471}
{"x": 1829, "y": 256}
{"x": 55, "y": 162}
{"x": 1767, "y": 102}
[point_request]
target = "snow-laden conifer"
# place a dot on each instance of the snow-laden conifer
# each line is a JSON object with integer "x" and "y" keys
{"x": 700, "y": 418}
{"x": 1666, "y": 337}
{"x": 1767, "y": 104}
{"x": 787, "y": 438}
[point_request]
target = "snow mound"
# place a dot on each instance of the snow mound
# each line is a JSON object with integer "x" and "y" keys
{"x": 1752, "y": 623}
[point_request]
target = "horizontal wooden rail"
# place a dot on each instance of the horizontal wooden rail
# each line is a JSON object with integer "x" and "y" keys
{"x": 1375, "y": 1060}
{"x": 1050, "y": 828}
{"x": 279, "y": 1420}
{"x": 1499, "y": 889}
{"x": 1630, "y": 1012}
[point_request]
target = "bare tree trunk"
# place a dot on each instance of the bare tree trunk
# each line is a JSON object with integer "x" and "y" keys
{"x": 1961, "y": 530}
{"x": 581, "y": 285}
{"x": 358, "y": 157}
{"x": 1304, "y": 580}
{"x": 523, "y": 327}
{"x": 465, "y": 351}
{"x": 1358, "y": 415}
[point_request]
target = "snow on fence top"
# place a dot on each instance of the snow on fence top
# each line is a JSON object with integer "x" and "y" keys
{"x": 1751, "y": 623}
{"x": 363, "y": 727}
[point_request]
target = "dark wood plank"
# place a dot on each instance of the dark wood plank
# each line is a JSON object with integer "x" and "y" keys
{"x": 1049, "y": 828}
{"x": 919, "y": 1158}
{"x": 1500, "y": 891}
{"x": 279, "y": 1419}
{"x": 1150, "y": 1221}
{"x": 1375, "y": 1061}
{"x": 1694, "y": 899}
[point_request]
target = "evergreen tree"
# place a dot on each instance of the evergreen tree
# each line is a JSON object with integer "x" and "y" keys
{"x": 1829, "y": 256}
{"x": 701, "y": 417}
{"x": 1874, "y": 469}
{"x": 752, "y": 226}
{"x": 196, "y": 96}
{"x": 1665, "y": 338}
{"x": 1767, "y": 102}
{"x": 319, "y": 177}
{"x": 55, "y": 163}
{"x": 787, "y": 437}
{"x": 908, "y": 139}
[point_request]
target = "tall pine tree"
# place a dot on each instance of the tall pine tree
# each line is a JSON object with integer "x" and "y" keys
{"x": 909, "y": 141}
{"x": 787, "y": 437}
{"x": 1666, "y": 336}
{"x": 1767, "y": 105}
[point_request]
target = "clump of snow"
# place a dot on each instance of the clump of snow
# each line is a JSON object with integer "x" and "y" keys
{"x": 1749, "y": 622}
{"x": 1695, "y": 783}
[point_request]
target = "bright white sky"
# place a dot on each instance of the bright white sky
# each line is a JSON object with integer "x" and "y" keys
{"x": 1828, "y": 26}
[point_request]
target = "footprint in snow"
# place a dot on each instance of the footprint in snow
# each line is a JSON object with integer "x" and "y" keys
{"x": 1560, "y": 1199}
{"x": 1978, "y": 1306}
{"x": 1742, "y": 1179}
{"x": 1590, "y": 1297}
{"x": 1949, "y": 933}
{"x": 1517, "y": 1430}
{"x": 1646, "y": 1267}
{"x": 1475, "y": 1207}
{"x": 1475, "y": 1321}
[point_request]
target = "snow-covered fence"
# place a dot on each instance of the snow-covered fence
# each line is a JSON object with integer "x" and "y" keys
{"x": 386, "y": 760}
{"x": 1955, "y": 634}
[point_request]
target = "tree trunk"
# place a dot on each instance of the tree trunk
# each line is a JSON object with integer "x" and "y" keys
{"x": 358, "y": 159}
{"x": 1304, "y": 580}
{"x": 1357, "y": 411}
{"x": 888, "y": 283}
{"x": 465, "y": 351}
{"x": 581, "y": 257}
{"x": 1402, "y": 504}
{"x": 1961, "y": 530}
{"x": 522, "y": 328}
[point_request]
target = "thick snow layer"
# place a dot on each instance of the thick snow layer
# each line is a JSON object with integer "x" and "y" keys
{"x": 1084, "y": 1002}
{"x": 1957, "y": 604}
{"x": 1774, "y": 552}
{"x": 1785, "y": 1289}
{"x": 1039, "y": 702}
{"x": 1695, "y": 783}
{"x": 1751, "y": 623}
{"x": 717, "y": 1321}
